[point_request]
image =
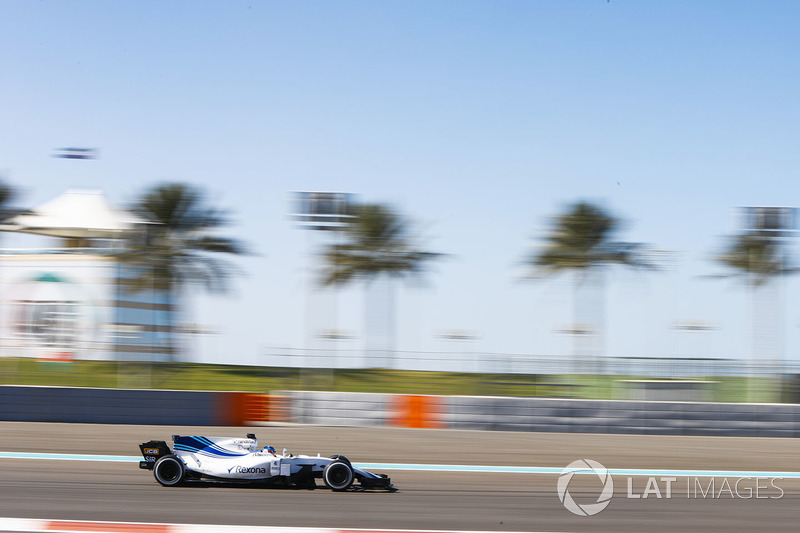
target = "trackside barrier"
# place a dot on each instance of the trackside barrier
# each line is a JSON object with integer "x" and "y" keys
{"x": 264, "y": 408}
{"x": 546, "y": 414}
{"x": 415, "y": 411}
{"x": 108, "y": 406}
{"x": 125, "y": 406}
{"x": 201, "y": 408}
{"x": 245, "y": 408}
{"x": 365, "y": 409}
{"x": 339, "y": 408}
{"x": 230, "y": 408}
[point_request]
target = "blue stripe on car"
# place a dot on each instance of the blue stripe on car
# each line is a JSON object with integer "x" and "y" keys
{"x": 203, "y": 446}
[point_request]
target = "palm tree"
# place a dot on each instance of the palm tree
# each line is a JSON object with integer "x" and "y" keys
{"x": 377, "y": 244}
{"x": 759, "y": 259}
{"x": 756, "y": 258}
{"x": 581, "y": 242}
{"x": 179, "y": 246}
{"x": 7, "y": 195}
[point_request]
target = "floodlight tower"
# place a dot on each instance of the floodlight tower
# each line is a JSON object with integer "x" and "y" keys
{"x": 326, "y": 214}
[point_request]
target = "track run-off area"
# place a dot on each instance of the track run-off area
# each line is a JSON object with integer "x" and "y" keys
{"x": 68, "y": 474}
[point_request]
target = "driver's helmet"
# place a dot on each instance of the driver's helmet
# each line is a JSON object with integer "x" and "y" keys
{"x": 270, "y": 449}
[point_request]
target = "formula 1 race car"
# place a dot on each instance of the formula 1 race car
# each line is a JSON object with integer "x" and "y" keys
{"x": 240, "y": 461}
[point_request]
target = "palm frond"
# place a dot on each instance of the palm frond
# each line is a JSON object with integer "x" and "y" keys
{"x": 580, "y": 239}
{"x": 377, "y": 241}
{"x": 7, "y": 195}
{"x": 180, "y": 247}
{"x": 755, "y": 258}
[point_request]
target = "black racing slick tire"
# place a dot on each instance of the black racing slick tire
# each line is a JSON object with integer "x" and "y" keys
{"x": 338, "y": 476}
{"x": 342, "y": 458}
{"x": 169, "y": 470}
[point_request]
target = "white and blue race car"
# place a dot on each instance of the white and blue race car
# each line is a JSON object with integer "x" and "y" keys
{"x": 241, "y": 461}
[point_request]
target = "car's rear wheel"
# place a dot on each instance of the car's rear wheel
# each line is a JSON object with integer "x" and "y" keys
{"x": 338, "y": 476}
{"x": 169, "y": 470}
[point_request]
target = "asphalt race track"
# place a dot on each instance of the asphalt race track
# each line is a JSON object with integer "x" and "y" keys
{"x": 81, "y": 490}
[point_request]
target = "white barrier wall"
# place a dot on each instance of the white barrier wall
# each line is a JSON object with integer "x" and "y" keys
{"x": 338, "y": 408}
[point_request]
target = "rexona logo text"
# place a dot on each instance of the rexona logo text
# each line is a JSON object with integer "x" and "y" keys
{"x": 247, "y": 470}
{"x": 585, "y": 466}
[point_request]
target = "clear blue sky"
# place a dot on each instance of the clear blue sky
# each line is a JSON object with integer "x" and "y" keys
{"x": 477, "y": 119}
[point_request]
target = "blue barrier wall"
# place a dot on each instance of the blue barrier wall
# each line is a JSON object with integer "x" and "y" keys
{"x": 109, "y": 406}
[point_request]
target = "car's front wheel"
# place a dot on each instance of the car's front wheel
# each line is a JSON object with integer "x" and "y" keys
{"x": 341, "y": 458}
{"x": 338, "y": 476}
{"x": 169, "y": 470}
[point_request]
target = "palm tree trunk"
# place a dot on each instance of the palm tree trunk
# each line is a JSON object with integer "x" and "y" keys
{"x": 379, "y": 322}
{"x": 169, "y": 338}
{"x": 766, "y": 338}
{"x": 588, "y": 314}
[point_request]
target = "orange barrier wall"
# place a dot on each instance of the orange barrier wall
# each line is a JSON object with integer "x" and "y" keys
{"x": 229, "y": 408}
{"x": 415, "y": 411}
{"x": 243, "y": 408}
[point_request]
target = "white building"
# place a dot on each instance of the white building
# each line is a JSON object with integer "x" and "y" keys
{"x": 66, "y": 302}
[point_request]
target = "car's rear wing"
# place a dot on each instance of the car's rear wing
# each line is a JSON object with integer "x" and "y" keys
{"x": 152, "y": 450}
